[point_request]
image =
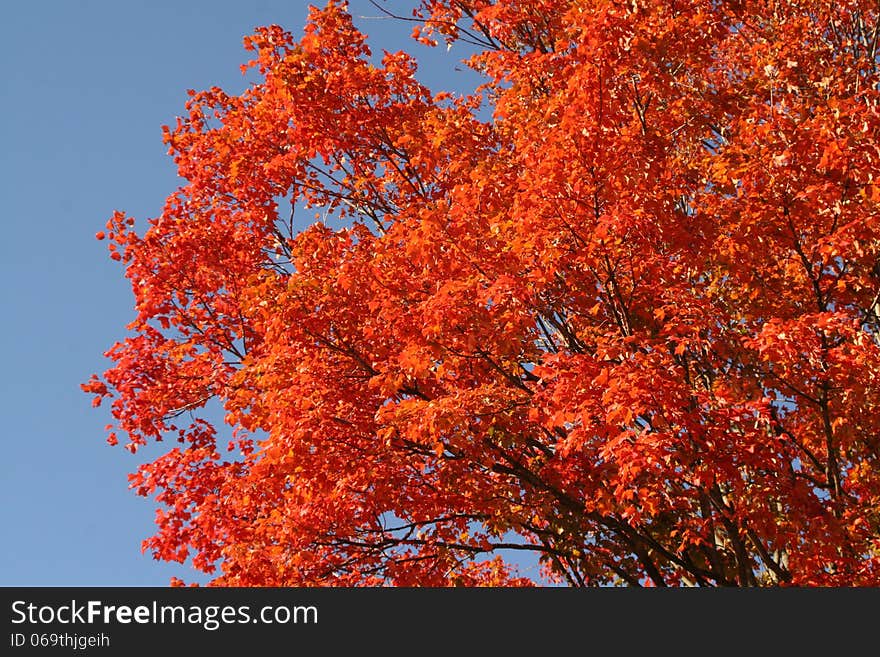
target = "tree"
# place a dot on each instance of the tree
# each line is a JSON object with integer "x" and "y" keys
{"x": 619, "y": 308}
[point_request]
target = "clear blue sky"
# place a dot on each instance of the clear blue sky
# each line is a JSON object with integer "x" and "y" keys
{"x": 86, "y": 87}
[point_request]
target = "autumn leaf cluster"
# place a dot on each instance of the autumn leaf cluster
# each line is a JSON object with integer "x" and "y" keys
{"x": 617, "y": 308}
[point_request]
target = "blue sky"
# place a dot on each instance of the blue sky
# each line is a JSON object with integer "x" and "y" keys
{"x": 86, "y": 87}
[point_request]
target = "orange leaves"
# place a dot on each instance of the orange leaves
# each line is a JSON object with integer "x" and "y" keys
{"x": 96, "y": 387}
{"x": 832, "y": 154}
{"x": 620, "y": 306}
{"x": 873, "y": 193}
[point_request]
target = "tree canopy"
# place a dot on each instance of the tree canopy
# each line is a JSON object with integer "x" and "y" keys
{"x": 618, "y": 308}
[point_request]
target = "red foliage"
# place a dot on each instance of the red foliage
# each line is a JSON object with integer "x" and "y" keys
{"x": 627, "y": 321}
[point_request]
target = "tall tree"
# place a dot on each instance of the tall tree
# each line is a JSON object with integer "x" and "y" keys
{"x": 618, "y": 309}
